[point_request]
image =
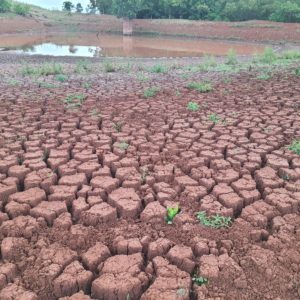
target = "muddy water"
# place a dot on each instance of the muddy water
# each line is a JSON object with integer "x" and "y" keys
{"x": 90, "y": 45}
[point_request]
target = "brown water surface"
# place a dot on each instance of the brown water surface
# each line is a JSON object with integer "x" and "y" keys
{"x": 88, "y": 44}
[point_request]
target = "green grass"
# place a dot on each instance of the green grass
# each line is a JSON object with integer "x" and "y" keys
{"x": 118, "y": 126}
{"x": 214, "y": 221}
{"x": 94, "y": 113}
{"x": 109, "y": 67}
{"x": 61, "y": 77}
{"x": 268, "y": 56}
{"x": 74, "y": 101}
{"x": 82, "y": 66}
{"x": 123, "y": 146}
{"x": 151, "y": 92}
{"x": 208, "y": 63}
{"x": 297, "y": 72}
{"x": 158, "y": 69}
{"x": 199, "y": 280}
{"x": 295, "y": 147}
{"x": 202, "y": 87}
{"x": 86, "y": 85}
{"x": 13, "y": 82}
{"x": 193, "y": 106}
{"x": 216, "y": 119}
{"x": 142, "y": 78}
{"x": 46, "y": 85}
{"x": 264, "y": 76}
{"x": 231, "y": 57}
{"x": 290, "y": 54}
{"x": 172, "y": 212}
{"x": 44, "y": 69}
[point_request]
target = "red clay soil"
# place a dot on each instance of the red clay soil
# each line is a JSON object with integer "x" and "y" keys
{"x": 260, "y": 31}
{"x": 82, "y": 217}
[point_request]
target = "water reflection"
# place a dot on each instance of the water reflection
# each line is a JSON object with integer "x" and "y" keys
{"x": 92, "y": 45}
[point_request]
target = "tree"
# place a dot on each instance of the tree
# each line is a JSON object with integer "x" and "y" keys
{"x": 5, "y": 6}
{"x": 79, "y": 8}
{"x": 68, "y": 6}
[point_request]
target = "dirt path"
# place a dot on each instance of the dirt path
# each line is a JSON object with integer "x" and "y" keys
{"x": 88, "y": 168}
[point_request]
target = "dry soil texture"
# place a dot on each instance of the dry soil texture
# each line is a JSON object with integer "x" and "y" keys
{"x": 84, "y": 188}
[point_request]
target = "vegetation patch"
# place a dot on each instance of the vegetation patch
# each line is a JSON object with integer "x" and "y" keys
{"x": 193, "y": 106}
{"x": 199, "y": 280}
{"x": 214, "y": 221}
{"x": 151, "y": 92}
{"x": 295, "y": 147}
{"x": 172, "y": 212}
{"x": 202, "y": 87}
{"x": 158, "y": 69}
{"x": 45, "y": 69}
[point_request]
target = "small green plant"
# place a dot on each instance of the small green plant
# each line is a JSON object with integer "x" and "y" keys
{"x": 75, "y": 98}
{"x": 290, "y": 54}
{"x": 82, "y": 66}
{"x": 144, "y": 175}
{"x": 216, "y": 119}
{"x": 123, "y": 145}
{"x": 151, "y": 92}
{"x": 264, "y": 76}
{"x": 203, "y": 87}
{"x": 182, "y": 292}
{"x": 177, "y": 93}
{"x": 172, "y": 212}
{"x": 297, "y": 72}
{"x": 199, "y": 280}
{"x": 109, "y": 67}
{"x": 208, "y": 63}
{"x": 86, "y": 85}
{"x": 46, "y": 85}
{"x": 214, "y": 221}
{"x": 142, "y": 78}
{"x": 159, "y": 69}
{"x": 61, "y": 77}
{"x": 13, "y": 82}
{"x": 45, "y": 69}
{"x": 94, "y": 113}
{"x": 118, "y": 126}
{"x": 231, "y": 57}
{"x": 295, "y": 147}
{"x": 193, "y": 106}
{"x": 268, "y": 56}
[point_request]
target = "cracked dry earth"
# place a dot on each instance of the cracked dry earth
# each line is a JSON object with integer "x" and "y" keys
{"x": 83, "y": 218}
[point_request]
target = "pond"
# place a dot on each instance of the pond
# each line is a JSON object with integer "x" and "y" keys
{"x": 110, "y": 45}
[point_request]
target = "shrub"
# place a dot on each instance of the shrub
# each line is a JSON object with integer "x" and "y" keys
{"x": 21, "y": 9}
{"x": 109, "y": 67}
{"x": 151, "y": 92}
{"x": 214, "y": 221}
{"x": 5, "y": 6}
{"x": 203, "y": 87}
{"x": 231, "y": 57}
{"x": 268, "y": 56}
{"x": 158, "y": 69}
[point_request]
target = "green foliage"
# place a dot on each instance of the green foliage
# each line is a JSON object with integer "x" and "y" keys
{"x": 295, "y": 147}
{"x": 216, "y": 119}
{"x": 297, "y": 72}
{"x": 68, "y": 6}
{"x": 158, "y": 69}
{"x": 214, "y": 221}
{"x": 126, "y": 8}
{"x": 82, "y": 66}
{"x": 231, "y": 57}
{"x": 109, "y": 67}
{"x": 193, "y": 106}
{"x": 118, "y": 126}
{"x": 61, "y": 77}
{"x": 46, "y": 85}
{"x": 264, "y": 76}
{"x": 79, "y": 8}
{"x": 203, "y": 87}
{"x": 43, "y": 69}
{"x": 268, "y": 56}
{"x": 199, "y": 280}
{"x": 290, "y": 54}
{"x": 74, "y": 101}
{"x": 171, "y": 214}
{"x": 94, "y": 113}
{"x": 5, "y": 6}
{"x": 21, "y": 9}
{"x": 123, "y": 145}
{"x": 151, "y": 92}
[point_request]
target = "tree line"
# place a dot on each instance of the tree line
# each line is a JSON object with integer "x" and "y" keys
{"x": 227, "y": 10}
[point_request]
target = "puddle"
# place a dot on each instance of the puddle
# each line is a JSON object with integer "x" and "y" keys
{"x": 92, "y": 45}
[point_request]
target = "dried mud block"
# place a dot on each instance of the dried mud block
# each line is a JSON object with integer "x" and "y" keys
{"x": 200, "y": 246}
{"x": 127, "y": 202}
{"x": 22, "y": 226}
{"x": 63, "y": 221}
{"x": 15, "y": 209}
{"x": 267, "y": 178}
{"x": 106, "y": 183}
{"x": 43, "y": 179}
{"x": 153, "y": 212}
{"x": 19, "y": 172}
{"x": 3, "y": 217}
{"x": 159, "y": 247}
{"x": 259, "y": 213}
{"x": 284, "y": 203}
{"x": 170, "y": 282}
{"x": 73, "y": 279}
{"x": 214, "y": 207}
{"x": 98, "y": 214}
{"x": 6, "y": 191}
{"x": 49, "y": 210}
{"x": 182, "y": 257}
{"x": 194, "y": 193}
{"x": 164, "y": 173}
{"x": 233, "y": 201}
{"x": 183, "y": 181}
{"x": 15, "y": 292}
{"x": 120, "y": 276}
{"x": 164, "y": 192}
{"x": 95, "y": 255}
{"x": 88, "y": 168}
{"x": 63, "y": 193}
{"x": 31, "y": 197}
{"x": 8, "y": 272}
{"x": 127, "y": 246}
{"x": 226, "y": 176}
{"x": 77, "y": 180}
{"x": 13, "y": 248}
{"x": 77, "y": 296}
{"x": 276, "y": 162}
